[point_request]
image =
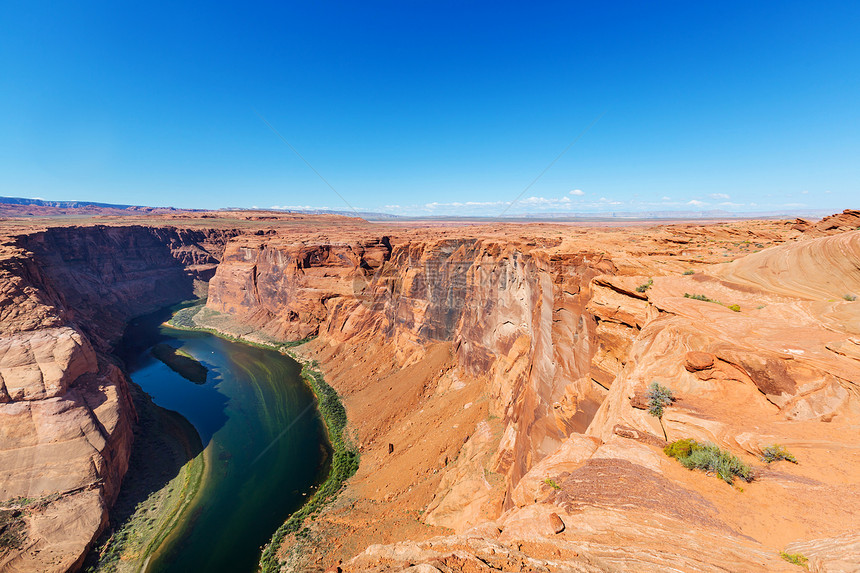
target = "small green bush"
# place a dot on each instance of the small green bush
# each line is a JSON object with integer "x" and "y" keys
{"x": 849, "y": 297}
{"x": 680, "y": 448}
{"x": 794, "y": 558}
{"x": 658, "y": 398}
{"x": 700, "y": 297}
{"x": 775, "y": 453}
{"x": 689, "y": 272}
{"x": 709, "y": 458}
{"x": 734, "y": 307}
{"x": 646, "y": 286}
{"x": 551, "y": 483}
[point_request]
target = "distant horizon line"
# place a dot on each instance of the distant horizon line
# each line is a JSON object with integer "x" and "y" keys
{"x": 645, "y": 214}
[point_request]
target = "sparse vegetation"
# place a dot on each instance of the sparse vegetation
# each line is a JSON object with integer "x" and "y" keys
{"x": 344, "y": 464}
{"x": 149, "y": 506}
{"x": 551, "y": 483}
{"x": 12, "y": 529}
{"x": 710, "y": 459}
{"x": 703, "y": 298}
{"x": 700, "y": 297}
{"x": 849, "y": 297}
{"x": 345, "y": 456}
{"x": 184, "y": 320}
{"x": 776, "y": 453}
{"x": 689, "y": 272}
{"x": 794, "y": 558}
{"x": 645, "y": 286}
{"x": 658, "y": 398}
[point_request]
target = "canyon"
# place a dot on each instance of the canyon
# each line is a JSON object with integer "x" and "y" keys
{"x": 494, "y": 378}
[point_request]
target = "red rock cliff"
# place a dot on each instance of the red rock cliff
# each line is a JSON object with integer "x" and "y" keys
{"x": 65, "y": 415}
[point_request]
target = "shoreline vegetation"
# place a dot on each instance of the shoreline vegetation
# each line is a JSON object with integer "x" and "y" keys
{"x": 344, "y": 454}
{"x": 166, "y": 471}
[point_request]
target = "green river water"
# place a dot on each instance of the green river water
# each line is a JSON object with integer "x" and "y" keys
{"x": 264, "y": 443}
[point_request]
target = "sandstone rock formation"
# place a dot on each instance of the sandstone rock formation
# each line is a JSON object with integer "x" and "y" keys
{"x": 506, "y": 364}
{"x": 65, "y": 414}
{"x": 528, "y": 353}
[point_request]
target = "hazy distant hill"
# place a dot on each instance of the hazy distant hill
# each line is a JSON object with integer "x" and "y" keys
{"x": 15, "y": 205}
{"x": 60, "y": 204}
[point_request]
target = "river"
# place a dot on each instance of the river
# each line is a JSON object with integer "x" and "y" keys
{"x": 264, "y": 444}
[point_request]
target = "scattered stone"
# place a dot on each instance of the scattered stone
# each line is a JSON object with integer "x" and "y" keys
{"x": 696, "y": 361}
{"x": 556, "y": 523}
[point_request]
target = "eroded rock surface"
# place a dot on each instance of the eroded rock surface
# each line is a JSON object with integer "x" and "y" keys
{"x": 506, "y": 374}
{"x": 65, "y": 414}
{"x": 507, "y": 366}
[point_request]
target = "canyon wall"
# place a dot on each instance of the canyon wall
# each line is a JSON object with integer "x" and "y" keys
{"x": 495, "y": 383}
{"x": 65, "y": 413}
{"x": 514, "y": 315}
{"x": 497, "y": 388}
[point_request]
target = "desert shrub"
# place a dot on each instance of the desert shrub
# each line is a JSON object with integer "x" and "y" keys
{"x": 645, "y": 286}
{"x": 710, "y": 459}
{"x": 680, "y": 448}
{"x": 775, "y": 453}
{"x": 734, "y": 307}
{"x": 689, "y": 272}
{"x": 344, "y": 463}
{"x": 794, "y": 558}
{"x": 699, "y": 297}
{"x": 658, "y": 398}
{"x": 551, "y": 483}
{"x": 849, "y": 297}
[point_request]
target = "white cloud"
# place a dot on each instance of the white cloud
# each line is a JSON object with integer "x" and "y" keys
{"x": 719, "y": 196}
{"x": 730, "y": 204}
{"x": 696, "y": 203}
{"x": 296, "y": 208}
{"x": 665, "y": 198}
{"x": 804, "y": 192}
{"x": 578, "y": 192}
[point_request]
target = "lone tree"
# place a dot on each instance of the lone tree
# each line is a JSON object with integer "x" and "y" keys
{"x": 658, "y": 398}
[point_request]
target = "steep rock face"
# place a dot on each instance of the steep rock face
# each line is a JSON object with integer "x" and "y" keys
{"x": 282, "y": 287}
{"x": 65, "y": 415}
{"x": 105, "y": 275}
{"x": 779, "y": 368}
{"x": 513, "y": 311}
{"x": 531, "y": 358}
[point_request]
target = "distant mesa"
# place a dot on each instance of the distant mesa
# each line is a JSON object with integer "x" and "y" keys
{"x": 20, "y": 207}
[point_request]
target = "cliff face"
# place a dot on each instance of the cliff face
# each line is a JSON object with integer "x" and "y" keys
{"x": 103, "y": 276}
{"x": 494, "y": 380}
{"x": 513, "y": 314}
{"x": 65, "y": 415}
{"x": 497, "y": 389}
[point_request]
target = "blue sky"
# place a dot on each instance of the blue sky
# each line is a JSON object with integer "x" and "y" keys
{"x": 434, "y": 108}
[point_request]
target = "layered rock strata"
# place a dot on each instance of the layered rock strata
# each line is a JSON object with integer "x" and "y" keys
{"x": 500, "y": 381}
{"x": 65, "y": 414}
{"x": 495, "y": 381}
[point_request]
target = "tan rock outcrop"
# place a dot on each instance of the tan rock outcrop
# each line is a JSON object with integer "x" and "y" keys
{"x": 500, "y": 362}
{"x": 65, "y": 414}
{"x": 558, "y": 346}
